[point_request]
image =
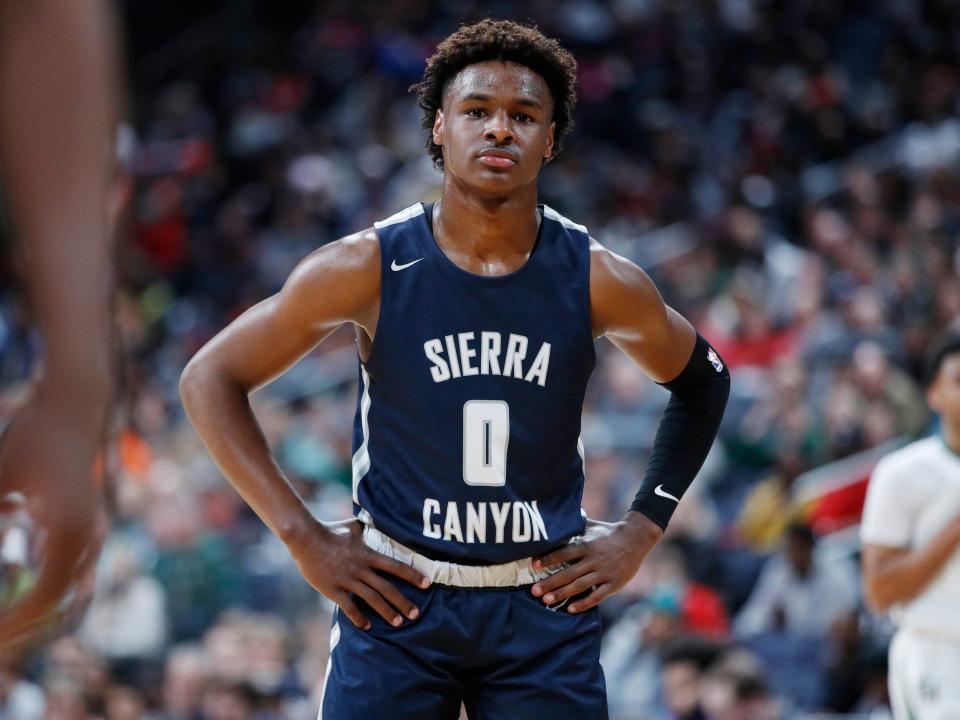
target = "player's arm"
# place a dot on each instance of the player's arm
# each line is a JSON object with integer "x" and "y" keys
{"x": 628, "y": 310}
{"x": 894, "y": 575}
{"x": 895, "y": 569}
{"x": 338, "y": 283}
{"x": 57, "y": 123}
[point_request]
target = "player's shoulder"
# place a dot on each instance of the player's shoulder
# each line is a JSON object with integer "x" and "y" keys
{"x": 340, "y": 279}
{"x": 612, "y": 273}
{"x": 605, "y": 264}
{"x": 350, "y": 262}
{"x": 353, "y": 252}
{"x": 906, "y": 460}
{"x": 609, "y": 266}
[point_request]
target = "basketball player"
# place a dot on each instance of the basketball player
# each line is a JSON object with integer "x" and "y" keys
{"x": 911, "y": 565}
{"x": 57, "y": 119}
{"x": 476, "y": 318}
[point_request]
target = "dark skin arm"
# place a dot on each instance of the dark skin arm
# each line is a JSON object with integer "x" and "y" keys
{"x": 58, "y": 100}
{"x": 893, "y": 575}
{"x": 628, "y": 310}
{"x": 338, "y": 283}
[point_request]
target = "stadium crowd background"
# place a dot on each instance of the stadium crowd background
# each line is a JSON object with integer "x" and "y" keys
{"x": 788, "y": 173}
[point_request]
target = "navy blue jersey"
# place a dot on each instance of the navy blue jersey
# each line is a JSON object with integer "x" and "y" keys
{"x": 467, "y": 432}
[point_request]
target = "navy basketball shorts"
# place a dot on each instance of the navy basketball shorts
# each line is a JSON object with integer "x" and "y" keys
{"x": 500, "y": 651}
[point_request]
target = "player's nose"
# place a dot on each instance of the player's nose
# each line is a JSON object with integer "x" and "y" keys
{"x": 498, "y": 128}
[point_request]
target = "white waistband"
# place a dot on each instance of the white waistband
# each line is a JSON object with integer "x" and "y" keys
{"x": 510, "y": 574}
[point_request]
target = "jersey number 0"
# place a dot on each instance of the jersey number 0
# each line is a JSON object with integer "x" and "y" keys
{"x": 486, "y": 434}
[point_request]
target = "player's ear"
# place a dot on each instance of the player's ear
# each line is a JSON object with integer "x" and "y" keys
{"x": 548, "y": 150}
{"x": 438, "y": 128}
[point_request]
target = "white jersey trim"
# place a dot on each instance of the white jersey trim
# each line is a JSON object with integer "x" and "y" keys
{"x": 361, "y": 458}
{"x": 334, "y": 640}
{"x": 549, "y": 212}
{"x": 402, "y": 216}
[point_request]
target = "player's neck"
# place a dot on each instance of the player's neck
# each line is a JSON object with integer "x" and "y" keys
{"x": 951, "y": 435}
{"x": 486, "y": 227}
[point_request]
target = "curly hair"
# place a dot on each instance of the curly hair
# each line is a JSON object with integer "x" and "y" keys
{"x": 502, "y": 40}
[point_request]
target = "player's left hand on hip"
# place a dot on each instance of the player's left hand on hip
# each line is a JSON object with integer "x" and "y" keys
{"x": 602, "y": 565}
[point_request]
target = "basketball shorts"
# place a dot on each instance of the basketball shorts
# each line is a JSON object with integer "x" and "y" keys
{"x": 498, "y": 649}
{"x": 924, "y": 676}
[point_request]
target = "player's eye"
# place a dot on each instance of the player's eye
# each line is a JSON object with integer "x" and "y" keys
{"x": 475, "y": 112}
{"x": 523, "y": 117}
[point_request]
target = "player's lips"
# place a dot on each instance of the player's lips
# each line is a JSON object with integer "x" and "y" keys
{"x": 497, "y": 158}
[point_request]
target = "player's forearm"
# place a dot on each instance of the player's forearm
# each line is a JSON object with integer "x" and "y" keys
{"x": 903, "y": 576}
{"x": 686, "y": 433}
{"x": 57, "y": 168}
{"x": 221, "y": 413}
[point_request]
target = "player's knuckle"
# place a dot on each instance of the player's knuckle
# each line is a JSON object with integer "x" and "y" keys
{"x": 553, "y": 583}
{"x": 390, "y": 593}
{"x": 414, "y": 576}
{"x": 407, "y": 573}
{"x": 350, "y": 609}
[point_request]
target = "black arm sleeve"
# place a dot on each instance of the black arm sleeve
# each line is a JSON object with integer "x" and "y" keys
{"x": 685, "y": 434}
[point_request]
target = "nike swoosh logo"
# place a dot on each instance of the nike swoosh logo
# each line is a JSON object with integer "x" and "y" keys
{"x": 658, "y": 490}
{"x": 395, "y": 267}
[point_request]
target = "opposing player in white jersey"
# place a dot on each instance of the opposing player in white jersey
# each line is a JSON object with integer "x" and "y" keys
{"x": 911, "y": 552}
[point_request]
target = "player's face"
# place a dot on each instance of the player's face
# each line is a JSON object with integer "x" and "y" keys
{"x": 944, "y": 393}
{"x": 495, "y": 127}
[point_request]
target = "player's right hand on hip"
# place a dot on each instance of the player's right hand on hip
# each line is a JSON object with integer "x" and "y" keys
{"x": 339, "y": 565}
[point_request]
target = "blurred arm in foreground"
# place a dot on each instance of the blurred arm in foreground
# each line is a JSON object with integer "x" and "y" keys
{"x": 57, "y": 116}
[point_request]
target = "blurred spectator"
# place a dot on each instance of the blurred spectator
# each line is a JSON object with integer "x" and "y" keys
{"x": 875, "y": 699}
{"x": 127, "y": 618}
{"x": 184, "y": 682}
{"x": 855, "y": 668}
{"x": 20, "y": 699}
{"x": 124, "y": 703}
{"x": 78, "y": 676}
{"x": 66, "y": 699}
{"x": 229, "y": 701}
{"x": 770, "y": 508}
{"x": 797, "y": 593}
{"x": 684, "y": 665}
{"x": 633, "y": 654}
{"x": 194, "y": 565}
{"x": 737, "y": 695}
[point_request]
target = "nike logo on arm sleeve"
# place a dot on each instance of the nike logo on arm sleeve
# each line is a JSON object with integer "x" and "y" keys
{"x": 658, "y": 490}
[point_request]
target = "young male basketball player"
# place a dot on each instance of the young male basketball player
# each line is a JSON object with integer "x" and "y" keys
{"x": 911, "y": 561}
{"x": 476, "y": 318}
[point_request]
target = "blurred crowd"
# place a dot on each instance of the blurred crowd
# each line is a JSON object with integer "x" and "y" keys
{"x": 787, "y": 171}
